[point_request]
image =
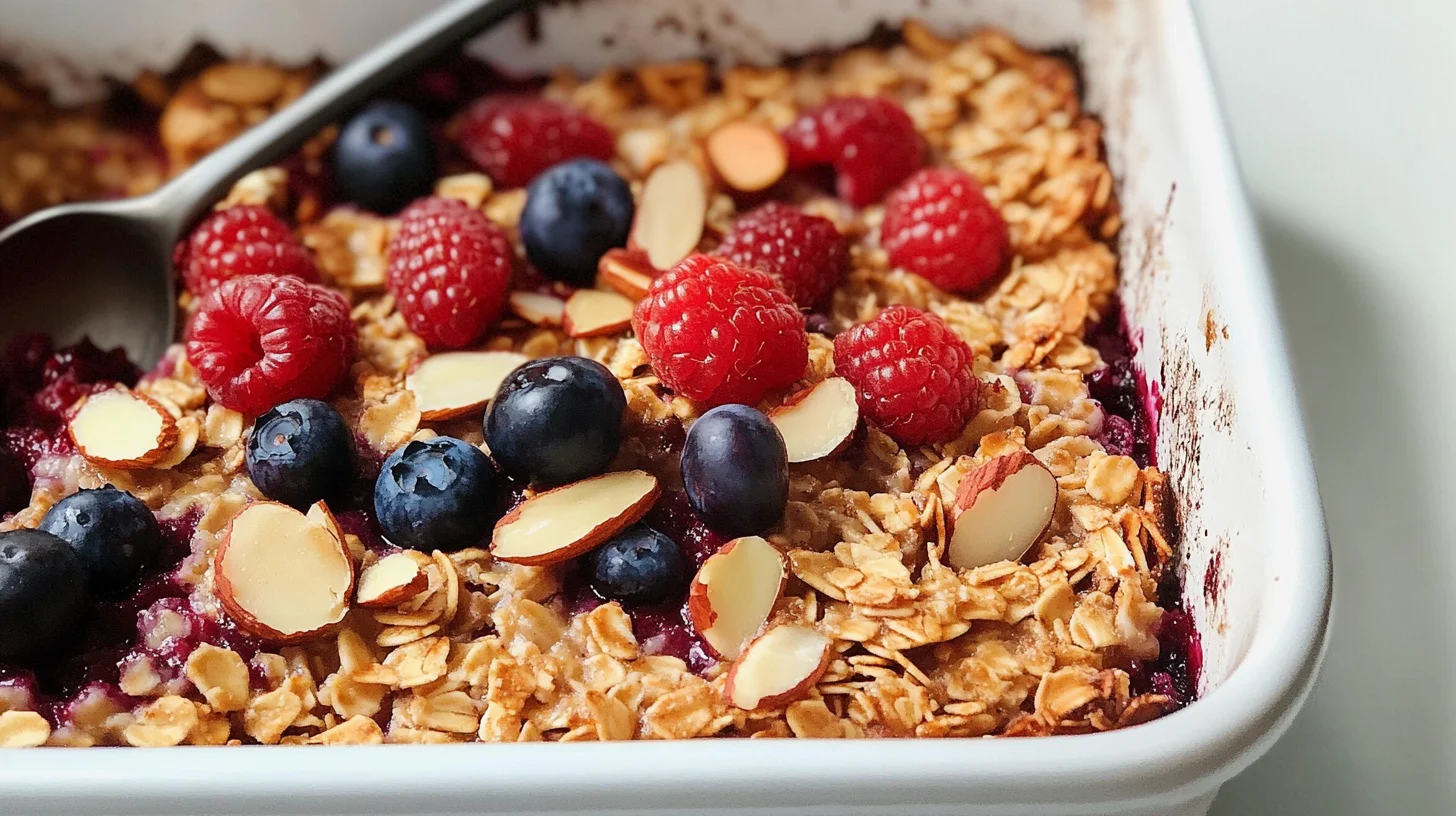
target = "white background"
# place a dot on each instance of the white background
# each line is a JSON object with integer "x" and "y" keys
{"x": 1344, "y": 118}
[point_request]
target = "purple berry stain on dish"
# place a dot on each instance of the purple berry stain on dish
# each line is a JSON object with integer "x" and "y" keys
{"x": 1133, "y": 402}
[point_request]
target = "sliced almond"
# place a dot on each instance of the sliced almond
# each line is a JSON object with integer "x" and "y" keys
{"x": 456, "y": 383}
{"x": 123, "y": 429}
{"x": 566, "y": 522}
{"x": 625, "y": 271}
{"x": 1001, "y": 509}
{"x": 281, "y": 575}
{"x": 391, "y": 580}
{"x": 590, "y": 313}
{"x": 781, "y": 666}
{"x": 189, "y": 430}
{"x": 817, "y": 421}
{"x": 670, "y": 213}
{"x": 734, "y": 592}
{"x": 749, "y": 156}
{"x": 538, "y": 309}
{"x": 320, "y": 514}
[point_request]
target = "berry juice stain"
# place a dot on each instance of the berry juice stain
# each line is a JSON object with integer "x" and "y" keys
{"x": 1132, "y": 403}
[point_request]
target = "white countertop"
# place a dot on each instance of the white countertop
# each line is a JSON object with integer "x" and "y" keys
{"x": 1342, "y": 113}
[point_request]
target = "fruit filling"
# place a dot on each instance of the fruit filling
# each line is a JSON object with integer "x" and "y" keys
{"x": 781, "y": 401}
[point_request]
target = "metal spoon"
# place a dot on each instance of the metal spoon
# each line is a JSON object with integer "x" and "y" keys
{"x": 104, "y": 269}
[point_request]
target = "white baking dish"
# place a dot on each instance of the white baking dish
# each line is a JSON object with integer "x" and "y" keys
{"x": 1197, "y": 294}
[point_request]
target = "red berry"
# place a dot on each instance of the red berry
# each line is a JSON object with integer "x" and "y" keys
{"x": 718, "y": 333}
{"x": 512, "y": 138}
{"x": 870, "y": 142}
{"x": 449, "y": 271}
{"x": 260, "y": 340}
{"x": 913, "y": 375}
{"x": 804, "y": 252}
{"x": 940, "y": 226}
{"x": 242, "y": 240}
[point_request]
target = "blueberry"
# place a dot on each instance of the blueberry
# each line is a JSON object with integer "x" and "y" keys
{"x": 14, "y": 481}
{"x": 112, "y": 532}
{"x": 439, "y": 494}
{"x": 575, "y": 212}
{"x": 640, "y": 565}
{"x": 735, "y": 471}
{"x": 43, "y": 592}
{"x": 556, "y": 420}
{"x": 300, "y": 452}
{"x": 385, "y": 158}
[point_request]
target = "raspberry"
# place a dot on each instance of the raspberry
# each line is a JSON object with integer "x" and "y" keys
{"x": 512, "y": 138}
{"x": 939, "y": 226}
{"x": 449, "y": 271}
{"x": 718, "y": 333}
{"x": 242, "y": 240}
{"x": 804, "y": 252}
{"x": 871, "y": 143}
{"x": 913, "y": 375}
{"x": 261, "y": 340}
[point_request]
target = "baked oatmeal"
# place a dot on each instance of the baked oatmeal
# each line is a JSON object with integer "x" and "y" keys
{"x": 662, "y": 403}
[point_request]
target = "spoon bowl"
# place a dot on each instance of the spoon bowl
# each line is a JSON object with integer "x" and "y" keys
{"x": 99, "y": 270}
{"x": 104, "y": 270}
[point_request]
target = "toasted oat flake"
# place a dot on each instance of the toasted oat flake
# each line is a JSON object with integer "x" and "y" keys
{"x": 23, "y": 729}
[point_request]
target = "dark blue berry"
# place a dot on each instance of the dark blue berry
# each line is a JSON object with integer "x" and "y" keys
{"x": 43, "y": 592}
{"x": 112, "y": 532}
{"x": 301, "y": 452}
{"x": 735, "y": 471}
{"x": 575, "y": 212}
{"x": 385, "y": 158}
{"x": 441, "y": 494}
{"x": 14, "y": 481}
{"x": 639, "y": 566}
{"x": 556, "y": 420}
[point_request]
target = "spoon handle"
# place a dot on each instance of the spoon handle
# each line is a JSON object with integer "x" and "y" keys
{"x": 191, "y": 192}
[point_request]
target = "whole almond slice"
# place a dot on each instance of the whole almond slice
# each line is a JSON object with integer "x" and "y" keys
{"x": 122, "y": 429}
{"x": 1001, "y": 509}
{"x": 670, "y": 213}
{"x": 819, "y": 420}
{"x": 457, "y": 383}
{"x": 749, "y": 156}
{"x": 391, "y": 580}
{"x": 282, "y": 576}
{"x": 734, "y": 592}
{"x": 777, "y": 668}
{"x": 625, "y": 272}
{"x": 538, "y": 309}
{"x": 566, "y": 522}
{"x": 590, "y": 313}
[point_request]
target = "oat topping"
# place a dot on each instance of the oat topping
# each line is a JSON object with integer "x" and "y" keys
{"x": 884, "y": 625}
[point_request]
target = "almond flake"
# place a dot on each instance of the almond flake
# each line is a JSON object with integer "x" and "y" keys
{"x": 626, "y": 272}
{"x": 538, "y": 309}
{"x": 458, "y": 383}
{"x": 123, "y": 429}
{"x": 670, "y": 214}
{"x": 818, "y": 421}
{"x": 567, "y": 521}
{"x": 590, "y": 313}
{"x": 281, "y": 575}
{"x": 748, "y": 155}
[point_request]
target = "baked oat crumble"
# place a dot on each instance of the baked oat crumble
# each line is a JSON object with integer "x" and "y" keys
{"x": 1061, "y": 640}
